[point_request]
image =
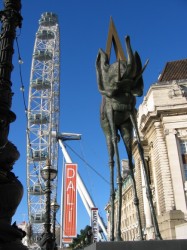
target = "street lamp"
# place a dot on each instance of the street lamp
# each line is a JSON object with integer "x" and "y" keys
{"x": 54, "y": 207}
{"x": 11, "y": 189}
{"x": 48, "y": 174}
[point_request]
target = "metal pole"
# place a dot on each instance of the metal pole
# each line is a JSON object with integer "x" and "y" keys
{"x": 47, "y": 224}
{"x": 54, "y": 208}
{"x": 11, "y": 190}
{"x": 48, "y": 174}
{"x": 54, "y": 230}
{"x": 11, "y": 19}
{"x": 54, "y": 224}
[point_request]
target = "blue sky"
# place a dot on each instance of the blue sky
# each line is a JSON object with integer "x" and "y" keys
{"x": 158, "y": 32}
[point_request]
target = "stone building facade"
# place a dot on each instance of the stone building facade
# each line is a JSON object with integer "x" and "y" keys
{"x": 162, "y": 123}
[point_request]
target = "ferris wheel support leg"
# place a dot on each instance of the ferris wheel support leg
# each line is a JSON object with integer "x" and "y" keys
{"x": 84, "y": 194}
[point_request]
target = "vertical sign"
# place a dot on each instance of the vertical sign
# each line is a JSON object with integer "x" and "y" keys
{"x": 70, "y": 201}
{"x": 94, "y": 223}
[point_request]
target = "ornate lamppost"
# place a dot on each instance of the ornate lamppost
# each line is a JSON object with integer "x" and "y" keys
{"x": 11, "y": 190}
{"x": 54, "y": 207}
{"x": 48, "y": 174}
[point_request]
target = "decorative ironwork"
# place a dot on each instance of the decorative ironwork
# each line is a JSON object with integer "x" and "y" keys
{"x": 11, "y": 190}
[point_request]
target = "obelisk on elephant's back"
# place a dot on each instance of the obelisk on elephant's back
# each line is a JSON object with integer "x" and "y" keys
{"x": 11, "y": 190}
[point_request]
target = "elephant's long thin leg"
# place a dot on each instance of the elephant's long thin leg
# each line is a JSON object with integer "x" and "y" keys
{"x": 112, "y": 189}
{"x": 119, "y": 183}
{"x": 127, "y": 135}
{"x": 112, "y": 198}
{"x": 136, "y": 203}
{"x": 119, "y": 178}
{"x": 148, "y": 189}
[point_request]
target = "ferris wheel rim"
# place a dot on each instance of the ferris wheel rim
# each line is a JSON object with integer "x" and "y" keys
{"x": 43, "y": 114}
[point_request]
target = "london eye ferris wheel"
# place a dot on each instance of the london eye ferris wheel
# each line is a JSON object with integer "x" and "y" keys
{"x": 43, "y": 117}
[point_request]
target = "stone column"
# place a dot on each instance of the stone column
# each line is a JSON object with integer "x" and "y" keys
{"x": 162, "y": 170}
{"x": 147, "y": 212}
{"x": 176, "y": 173}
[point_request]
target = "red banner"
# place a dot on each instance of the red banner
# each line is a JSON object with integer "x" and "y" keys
{"x": 70, "y": 201}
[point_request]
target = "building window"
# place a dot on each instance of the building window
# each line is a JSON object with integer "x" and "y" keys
{"x": 149, "y": 170}
{"x": 183, "y": 146}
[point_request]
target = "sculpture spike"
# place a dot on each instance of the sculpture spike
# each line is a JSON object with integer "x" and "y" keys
{"x": 114, "y": 39}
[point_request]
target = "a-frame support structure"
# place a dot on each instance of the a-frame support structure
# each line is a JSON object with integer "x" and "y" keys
{"x": 83, "y": 192}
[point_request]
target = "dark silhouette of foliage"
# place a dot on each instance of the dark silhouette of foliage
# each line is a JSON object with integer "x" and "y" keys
{"x": 83, "y": 239}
